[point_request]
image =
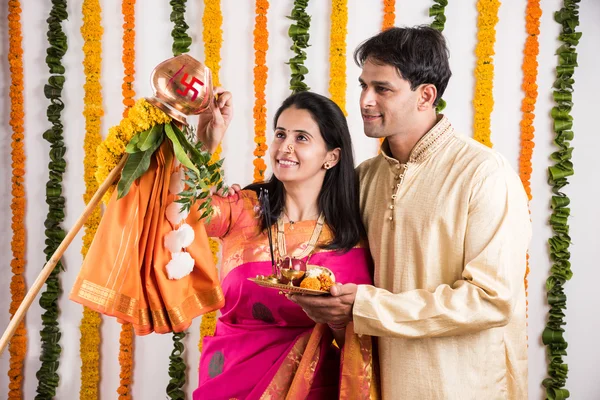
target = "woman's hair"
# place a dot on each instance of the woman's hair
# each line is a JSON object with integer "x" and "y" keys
{"x": 338, "y": 199}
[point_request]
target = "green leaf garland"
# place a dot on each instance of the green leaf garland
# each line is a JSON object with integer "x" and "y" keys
{"x": 299, "y": 33}
{"x": 439, "y": 20}
{"x": 181, "y": 39}
{"x": 47, "y": 375}
{"x": 560, "y": 241}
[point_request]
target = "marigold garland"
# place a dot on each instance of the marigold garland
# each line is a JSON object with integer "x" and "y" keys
{"x": 298, "y": 32}
{"x": 212, "y": 36}
{"x": 128, "y": 11}
{"x": 483, "y": 100}
{"x": 126, "y": 336}
{"x": 18, "y": 343}
{"x": 261, "y": 45}
{"x": 389, "y": 14}
{"x": 337, "y": 53}
{"x": 529, "y": 86}
{"x": 560, "y": 241}
{"x": 92, "y": 31}
{"x": 48, "y": 378}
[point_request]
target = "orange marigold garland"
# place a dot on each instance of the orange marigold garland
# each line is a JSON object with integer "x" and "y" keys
{"x": 389, "y": 14}
{"x": 212, "y": 36}
{"x": 92, "y": 31}
{"x": 18, "y": 343}
{"x": 261, "y": 45}
{"x": 483, "y": 100}
{"x": 337, "y": 53}
{"x": 529, "y": 86}
{"x": 126, "y": 336}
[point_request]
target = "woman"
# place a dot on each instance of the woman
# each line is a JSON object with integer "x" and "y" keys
{"x": 265, "y": 346}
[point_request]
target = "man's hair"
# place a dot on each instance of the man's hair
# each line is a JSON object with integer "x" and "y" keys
{"x": 419, "y": 54}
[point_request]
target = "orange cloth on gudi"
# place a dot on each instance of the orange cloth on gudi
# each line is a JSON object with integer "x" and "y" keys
{"x": 124, "y": 273}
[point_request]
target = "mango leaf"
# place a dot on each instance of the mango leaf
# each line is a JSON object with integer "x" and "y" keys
{"x": 132, "y": 145}
{"x": 136, "y": 165}
{"x": 178, "y": 149}
{"x": 153, "y": 135}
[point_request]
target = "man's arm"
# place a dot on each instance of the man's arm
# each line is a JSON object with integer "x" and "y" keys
{"x": 496, "y": 241}
{"x": 497, "y": 236}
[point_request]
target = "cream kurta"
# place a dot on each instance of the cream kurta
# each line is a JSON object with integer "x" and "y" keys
{"x": 448, "y": 232}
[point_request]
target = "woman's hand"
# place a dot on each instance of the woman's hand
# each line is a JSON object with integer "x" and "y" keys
{"x": 214, "y": 121}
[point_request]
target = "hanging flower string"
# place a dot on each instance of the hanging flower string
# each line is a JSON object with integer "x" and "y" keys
{"x": 91, "y": 31}
{"x": 298, "y": 32}
{"x": 439, "y": 20}
{"x": 126, "y": 336}
{"x": 212, "y": 36}
{"x": 177, "y": 367}
{"x": 18, "y": 344}
{"x": 483, "y": 101}
{"x": 47, "y": 375}
{"x": 261, "y": 45}
{"x": 529, "y": 86}
{"x": 389, "y": 14}
{"x": 337, "y": 53}
{"x": 561, "y": 272}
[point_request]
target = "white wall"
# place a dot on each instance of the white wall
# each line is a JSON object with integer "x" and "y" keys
{"x": 153, "y": 44}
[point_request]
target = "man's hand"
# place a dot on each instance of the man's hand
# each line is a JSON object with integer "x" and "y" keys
{"x": 335, "y": 309}
{"x": 214, "y": 121}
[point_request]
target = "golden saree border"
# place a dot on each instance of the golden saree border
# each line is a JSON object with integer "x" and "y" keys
{"x": 358, "y": 378}
{"x": 146, "y": 320}
{"x": 282, "y": 380}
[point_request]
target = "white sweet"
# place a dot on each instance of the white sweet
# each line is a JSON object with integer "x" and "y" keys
{"x": 186, "y": 235}
{"x": 176, "y": 184}
{"x": 173, "y": 242}
{"x": 173, "y": 215}
{"x": 181, "y": 265}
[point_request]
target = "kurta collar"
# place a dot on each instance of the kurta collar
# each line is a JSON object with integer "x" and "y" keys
{"x": 426, "y": 146}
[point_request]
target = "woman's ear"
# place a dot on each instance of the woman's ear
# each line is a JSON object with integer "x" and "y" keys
{"x": 333, "y": 157}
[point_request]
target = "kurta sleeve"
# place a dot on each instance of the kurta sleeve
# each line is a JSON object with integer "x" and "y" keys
{"x": 495, "y": 244}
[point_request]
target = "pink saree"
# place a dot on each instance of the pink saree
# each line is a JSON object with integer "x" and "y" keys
{"x": 265, "y": 346}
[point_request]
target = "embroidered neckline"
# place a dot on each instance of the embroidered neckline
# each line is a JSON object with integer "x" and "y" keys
{"x": 427, "y": 145}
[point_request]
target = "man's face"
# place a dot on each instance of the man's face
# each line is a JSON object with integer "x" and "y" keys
{"x": 388, "y": 105}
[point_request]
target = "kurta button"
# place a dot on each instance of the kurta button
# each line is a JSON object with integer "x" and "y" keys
{"x": 392, "y": 207}
{"x": 391, "y": 218}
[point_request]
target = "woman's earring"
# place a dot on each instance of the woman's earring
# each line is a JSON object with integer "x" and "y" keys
{"x": 326, "y": 165}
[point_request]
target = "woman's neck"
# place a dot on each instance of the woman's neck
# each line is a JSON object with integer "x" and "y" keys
{"x": 301, "y": 202}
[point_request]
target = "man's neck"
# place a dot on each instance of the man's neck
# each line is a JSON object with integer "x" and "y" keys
{"x": 301, "y": 201}
{"x": 402, "y": 144}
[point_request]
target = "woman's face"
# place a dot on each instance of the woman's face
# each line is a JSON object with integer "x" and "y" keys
{"x": 298, "y": 151}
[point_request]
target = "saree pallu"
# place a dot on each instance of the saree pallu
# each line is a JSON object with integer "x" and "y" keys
{"x": 124, "y": 273}
{"x": 266, "y": 347}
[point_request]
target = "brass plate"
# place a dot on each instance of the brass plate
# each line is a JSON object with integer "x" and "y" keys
{"x": 287, "y": 288}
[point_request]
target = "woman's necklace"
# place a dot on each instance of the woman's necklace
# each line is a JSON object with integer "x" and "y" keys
{"x": 282, "y": 247}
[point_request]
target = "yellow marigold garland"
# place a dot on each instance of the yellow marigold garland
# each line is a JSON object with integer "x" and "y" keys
{"x": 337, "y": 53}
{"x": 483, "y": 100}
{"x": 141, "y": 116}
{"x": 389, "y": 14}
{"x": 212, "y": 36}
{"x": 18, "y": 343}
{"x": 126, "y": 336}
{"x": 261, "y": 45}
{"x": 128, "y": 11}
{"x": 92, "y": 31}
{"x": 529, "y": 86}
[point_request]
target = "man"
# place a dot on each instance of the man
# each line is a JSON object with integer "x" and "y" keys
{"x": 448, "y": 227}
